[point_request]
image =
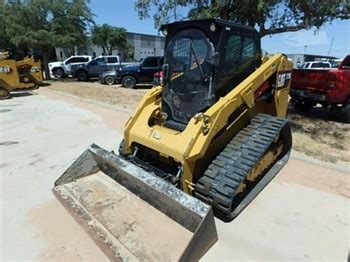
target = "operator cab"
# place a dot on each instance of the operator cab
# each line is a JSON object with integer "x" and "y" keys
{"x": 204, "y": 60}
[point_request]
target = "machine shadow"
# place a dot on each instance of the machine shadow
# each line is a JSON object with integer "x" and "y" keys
{"x": 22, "y": 94}
{"x": 318, "y": 113}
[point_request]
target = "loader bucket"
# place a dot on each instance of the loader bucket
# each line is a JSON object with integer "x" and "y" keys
{"x": 132, "y": 214}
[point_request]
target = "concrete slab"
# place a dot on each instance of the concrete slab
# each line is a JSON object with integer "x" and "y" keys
{"x": 302, "y": 215}
{"x": 40, "y": 138}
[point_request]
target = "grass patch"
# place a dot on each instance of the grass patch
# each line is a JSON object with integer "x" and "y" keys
{"x": 323, "y": 139}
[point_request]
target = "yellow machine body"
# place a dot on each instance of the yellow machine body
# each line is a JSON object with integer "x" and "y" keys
{"x": 25, "y": 74}
{"x": 203, "y": 143}
{"x": 199, "y": 140}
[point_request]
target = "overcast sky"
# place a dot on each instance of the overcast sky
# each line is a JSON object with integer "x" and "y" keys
{"x": 122, "y": 13}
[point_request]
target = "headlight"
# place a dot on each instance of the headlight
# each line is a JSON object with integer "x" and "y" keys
{"x": 212, "y": 27}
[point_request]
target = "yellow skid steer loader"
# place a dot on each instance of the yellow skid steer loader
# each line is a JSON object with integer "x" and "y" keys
{"x": 205, "y": 142}
{"x": 18, "y": 75}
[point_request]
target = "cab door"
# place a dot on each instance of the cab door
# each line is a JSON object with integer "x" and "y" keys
{"x": 97, "y": 66}
{"x": 113, "y": 62}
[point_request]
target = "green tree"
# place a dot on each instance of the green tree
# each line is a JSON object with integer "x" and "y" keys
{"x": 46, "y": 24}
{"x": 4, "y": 39}
{"x": 269, "y": 16}
{"x": 109, "y": 38}
{"x": 130, "y": 54}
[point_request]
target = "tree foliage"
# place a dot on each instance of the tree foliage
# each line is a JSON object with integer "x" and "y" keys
{"x": 269, "y": 16}
{"x": 46, "y": 24}
{"x": 109, "y": 38}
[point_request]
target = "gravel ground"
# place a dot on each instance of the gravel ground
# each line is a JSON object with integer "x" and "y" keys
{"x": 321, "y": 134}
{"x": 114, "y": 95}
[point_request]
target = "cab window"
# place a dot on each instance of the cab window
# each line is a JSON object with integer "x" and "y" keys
{"x": 80, "y": 59}
{"x": 320, "y": 65}
{"x": 240, "y": 52}
{"x": 112, "y": 60}
{"x": 68, "y": 61}
{"x": 77, "y": 60}
{"x": 248, "y": 52}
{"x": 233, "y": 51}
{"x": 346, "y": 64}
{"x": 150, "y": 62}
{"x": 98, "y": 61}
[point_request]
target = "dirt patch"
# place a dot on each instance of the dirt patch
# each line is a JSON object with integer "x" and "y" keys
{"x": 114, "y": 95}
{"x": 65, "y": 239}
{"x": 309, "y": 175}
{"x": 316, "y": 134}
{"x": 323, "y": 139}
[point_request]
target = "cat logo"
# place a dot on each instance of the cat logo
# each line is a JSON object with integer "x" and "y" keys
{"x": 5, "y": 70}
{"x": 283, "y": 79}
{"x": 35, "y": 69}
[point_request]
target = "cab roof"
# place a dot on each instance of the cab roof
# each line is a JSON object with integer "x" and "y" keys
{"x": 204, "y": 25}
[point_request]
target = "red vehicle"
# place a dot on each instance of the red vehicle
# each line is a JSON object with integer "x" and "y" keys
{"x": 158, "y": 78}
{"x": 330, "y": 88}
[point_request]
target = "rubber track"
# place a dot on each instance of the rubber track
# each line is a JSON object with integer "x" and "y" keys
{"x": 230, "y": 168}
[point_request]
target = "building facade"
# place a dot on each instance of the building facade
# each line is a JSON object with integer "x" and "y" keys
{"x": 146, "y": 45}
{"x": 143, "y": 45}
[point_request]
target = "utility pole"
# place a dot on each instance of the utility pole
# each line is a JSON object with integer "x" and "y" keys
{"x": 175, "y": 10}
{"x": 330, "y": 47}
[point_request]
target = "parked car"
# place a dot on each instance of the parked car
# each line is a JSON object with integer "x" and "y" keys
{"x": 62, "y": 69}
{"x": 108, "y": 77}
{"x": 96, "y": 67}
{"x": 316, "y": 65}
{"x": 330, "y": 88}
{"x": 137, "y": 73}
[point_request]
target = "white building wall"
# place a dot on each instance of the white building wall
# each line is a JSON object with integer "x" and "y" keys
{"x": 144, "y": 45}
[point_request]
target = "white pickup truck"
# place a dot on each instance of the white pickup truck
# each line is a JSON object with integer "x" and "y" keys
{"x": 316, "y": 65}
{"x": 63, "y": 69}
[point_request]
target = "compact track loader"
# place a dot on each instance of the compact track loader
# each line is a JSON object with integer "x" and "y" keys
{"x": 205, "y": 142}
{"x": 18, "y": 75}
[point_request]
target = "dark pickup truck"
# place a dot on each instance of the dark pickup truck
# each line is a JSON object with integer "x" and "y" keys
{"x": 136, "y": 73}
{"x": 328, "y": 87}
{"x": 95, "y": 67}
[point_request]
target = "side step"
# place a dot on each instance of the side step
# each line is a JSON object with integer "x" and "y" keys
{"x": 132, "y": 214}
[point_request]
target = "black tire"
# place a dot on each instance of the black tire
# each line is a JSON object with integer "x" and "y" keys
{"x": 346, "y": 112}
{"x": 303, "y": 106}
{"x": 4, "y": 93}
{"x": 129, "y": 82}
{"x": 109, "y": 80}
{"x": 58, "y": 72}
{"x": 82, "y": 75}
